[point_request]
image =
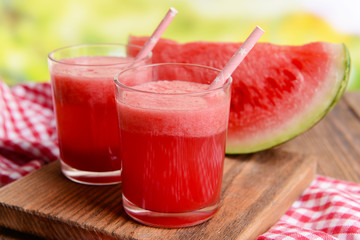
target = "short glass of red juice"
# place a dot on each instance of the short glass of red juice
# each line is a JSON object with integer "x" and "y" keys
{"x": 84, "y": 103}
{"x": 173, "y": 131}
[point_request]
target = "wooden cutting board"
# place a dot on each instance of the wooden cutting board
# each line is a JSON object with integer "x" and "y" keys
{"x": 257, "y": 190}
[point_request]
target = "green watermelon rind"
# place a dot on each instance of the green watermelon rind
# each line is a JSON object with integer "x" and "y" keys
{"x": 308, "y": 121}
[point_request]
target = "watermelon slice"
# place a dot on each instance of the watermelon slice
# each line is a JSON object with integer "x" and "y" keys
{"x": 278, "y": 91}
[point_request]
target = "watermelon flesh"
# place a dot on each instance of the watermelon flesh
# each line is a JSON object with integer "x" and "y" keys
{"x": 278, "y": 91}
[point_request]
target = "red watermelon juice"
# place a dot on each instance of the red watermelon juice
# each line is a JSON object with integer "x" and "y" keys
{"x": 87, "y": 124}
{"x": 173, "y": 147}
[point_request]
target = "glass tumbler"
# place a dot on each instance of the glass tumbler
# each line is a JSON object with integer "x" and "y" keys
{"x": 173, "y": 133}
{"x": 84, "y": 103}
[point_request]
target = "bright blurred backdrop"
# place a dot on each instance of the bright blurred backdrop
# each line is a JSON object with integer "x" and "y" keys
{"x": 30, "y": 29}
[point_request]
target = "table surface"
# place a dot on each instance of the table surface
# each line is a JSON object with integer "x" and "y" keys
{"x": 335, "y": 140}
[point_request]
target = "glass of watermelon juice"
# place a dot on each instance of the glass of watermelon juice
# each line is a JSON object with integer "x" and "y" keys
{"x": 84, "y": 103}
{"x": 173, "y": 132}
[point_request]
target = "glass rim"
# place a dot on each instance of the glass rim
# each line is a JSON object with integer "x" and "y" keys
{"x": 51, "y": 58}
{"x": 206, "y": 91}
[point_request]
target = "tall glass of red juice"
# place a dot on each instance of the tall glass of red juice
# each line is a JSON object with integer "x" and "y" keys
{"x": 173, "y": 132}
{"x": 84, "y": 103}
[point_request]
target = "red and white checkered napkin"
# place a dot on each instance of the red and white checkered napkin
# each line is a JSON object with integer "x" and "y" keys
{"x": 27, "y": 129}
{"x": 328, "y": 209}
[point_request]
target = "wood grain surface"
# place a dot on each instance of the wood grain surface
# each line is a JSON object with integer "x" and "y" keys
{"x": 335, "y": 140}
{"x": 257, "y": 190}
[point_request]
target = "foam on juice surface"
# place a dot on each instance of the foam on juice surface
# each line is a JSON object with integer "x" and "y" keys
{"x": 173, "y": 113}
{"x": 92, "y": 67}
{"x": 85, "y": 79}
{"x": 172, "y": 87}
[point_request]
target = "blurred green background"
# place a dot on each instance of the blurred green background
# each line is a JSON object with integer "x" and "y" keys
{"x": 30, "y": 29}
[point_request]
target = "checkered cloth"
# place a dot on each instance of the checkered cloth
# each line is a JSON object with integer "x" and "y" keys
{"x": 27, "y": 130}
{"x": 328, "y": 209}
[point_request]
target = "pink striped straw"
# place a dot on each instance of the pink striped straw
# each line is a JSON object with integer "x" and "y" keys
{"x": 151, "y": 42}
{"x": 237, "y": 58}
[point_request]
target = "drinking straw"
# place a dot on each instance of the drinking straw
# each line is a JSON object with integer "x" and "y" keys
{"x": 150, "y": 43}
{"x": 237, "y": 58}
